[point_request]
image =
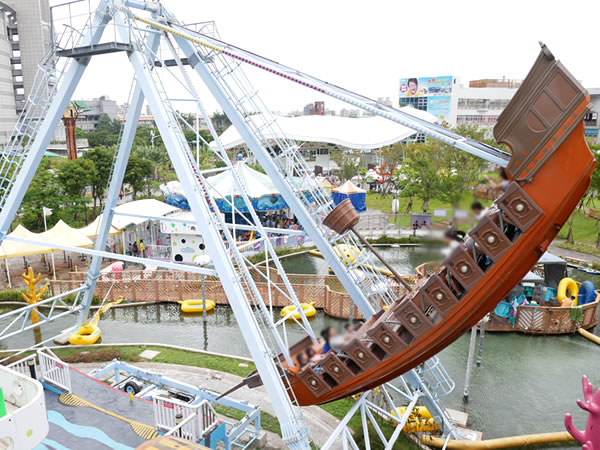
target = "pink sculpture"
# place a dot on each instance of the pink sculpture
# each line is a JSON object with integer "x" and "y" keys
{"x": 590, "y": 439}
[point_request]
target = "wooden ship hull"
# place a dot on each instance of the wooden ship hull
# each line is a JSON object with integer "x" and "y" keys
{"x": 550, "y": 171}
{"x": 534, "y": 319}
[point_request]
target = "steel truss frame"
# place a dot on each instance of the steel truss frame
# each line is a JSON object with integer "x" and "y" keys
{"x": 266, "y": 338}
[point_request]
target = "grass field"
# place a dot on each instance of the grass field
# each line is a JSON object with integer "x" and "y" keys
{"x": 585, "y": 230}
{"x": 374, "y": 201}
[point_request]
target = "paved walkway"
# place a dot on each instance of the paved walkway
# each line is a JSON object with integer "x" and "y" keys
{"x": 563, "y": 252}
{"x": 320, "y": 423}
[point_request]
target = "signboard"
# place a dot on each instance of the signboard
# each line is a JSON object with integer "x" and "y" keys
{"x": 426, "y": 86}
{"x": 431, "y": 94}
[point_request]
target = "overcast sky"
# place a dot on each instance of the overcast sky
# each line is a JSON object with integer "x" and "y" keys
{"x": 367, "y": 46}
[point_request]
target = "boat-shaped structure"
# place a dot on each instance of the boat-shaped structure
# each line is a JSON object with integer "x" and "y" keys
{"x": 542, "y": 312}
{"x": 549, "y": 172}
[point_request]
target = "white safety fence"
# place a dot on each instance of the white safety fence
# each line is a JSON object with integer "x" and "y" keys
{"x": 22, "y": 365}
{"x": 190, "y": 422}
{"x": 53, "y": 370}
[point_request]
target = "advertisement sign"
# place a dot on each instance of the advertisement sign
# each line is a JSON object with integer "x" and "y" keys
{"x": 431, "y": 94}
{"x": 425, "y": 86}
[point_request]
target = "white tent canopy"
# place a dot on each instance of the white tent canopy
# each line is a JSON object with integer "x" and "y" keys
{"x": 357, "y": 133}
{"x": 348, "y": 188}
{"x": 91, "y": 230}
{"x": 63, "y": 234}
{"x": 257, "y": 184}
{"x": 12, "y": 249}
{"x": 144, "y": 207}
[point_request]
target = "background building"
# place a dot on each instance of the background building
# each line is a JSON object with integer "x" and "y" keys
{"x": 25, "y": 38}
{"x": 315, "y": 109}
{"x": 481, "y": 102}
{"x": 592, "y": 119}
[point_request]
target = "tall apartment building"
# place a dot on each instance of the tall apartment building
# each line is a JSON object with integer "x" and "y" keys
{"x": 25, "y": 38}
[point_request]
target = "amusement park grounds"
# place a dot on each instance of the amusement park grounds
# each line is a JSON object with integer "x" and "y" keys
{"x": 221, "y": 363}
{"x": 585, "y": 229}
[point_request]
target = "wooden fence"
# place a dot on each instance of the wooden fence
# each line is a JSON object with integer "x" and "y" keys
{"x": 325, "y": 291}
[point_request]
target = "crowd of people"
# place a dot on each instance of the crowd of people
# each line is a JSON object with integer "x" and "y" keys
{"x": 135, "y": 249}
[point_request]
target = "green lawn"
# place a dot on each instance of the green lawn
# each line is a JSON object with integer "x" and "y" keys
{"x": 167, "y": 355}
{"x": 584, "y": 229}
{"x": 374, "y": 201}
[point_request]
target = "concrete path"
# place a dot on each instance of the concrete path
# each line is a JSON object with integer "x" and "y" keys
{"x": 573, "y": 254}
{"x": 320, "y": 423}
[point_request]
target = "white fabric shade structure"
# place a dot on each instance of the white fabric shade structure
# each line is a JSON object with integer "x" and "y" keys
{"x": 91, "y": 230}
{"x": 13, "y": 249}
{"x": 61, "y": 233}
{"x": 144, "y": 207}
{"x": 356, "y": 133}
{"x": 257, "y": 184}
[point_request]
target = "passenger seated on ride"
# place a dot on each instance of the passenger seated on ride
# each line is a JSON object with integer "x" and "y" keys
{"x": 313, "y": 356}
{"x": 327, "y": 334}
{"x": 453, "y": 238}
{"x": 302, "y": 360}
{"x": 478, "y": 210}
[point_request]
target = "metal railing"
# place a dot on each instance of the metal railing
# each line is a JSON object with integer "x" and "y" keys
{"x": 190, "y": 422}
{"x": 23, "y": 365}
{"x": 53, "y": 370}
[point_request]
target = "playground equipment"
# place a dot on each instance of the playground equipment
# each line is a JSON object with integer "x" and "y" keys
{"x": 89, "y": 332}
{"x": 32, "y": 297}
{"x": 196, "y": 305}
{"x": 590, "y": 438}
{"x": 542, "y": 125}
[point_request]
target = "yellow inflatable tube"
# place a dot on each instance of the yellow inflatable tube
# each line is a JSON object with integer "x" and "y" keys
{"x": 87, "y": 334}
{"x": 567, "y": 285}
{"x": 196, "y": 305}
{"x": 419, "y": 420}
{"x": 308, "y": 308}
{"x": 349, "y": 253}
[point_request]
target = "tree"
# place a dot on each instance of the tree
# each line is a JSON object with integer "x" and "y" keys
{"x": 102, "y": 157}
{"x": 220, "y": 121}
{"x": 106, "y": 133}
{"x": 80, "y": 134}
{"x": 460, "y": 172}
{"x": 74, "y": 177}
{"x": 420, "y": 167}
{"x": 43, "y": 191}
{"x": 347, "y": 162}
{"x": 138, "y": 172}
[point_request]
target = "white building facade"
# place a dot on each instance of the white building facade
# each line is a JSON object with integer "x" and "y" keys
{"x": 25, "y": 39}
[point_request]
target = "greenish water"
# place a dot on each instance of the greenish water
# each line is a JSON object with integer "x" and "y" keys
{"x": 525, "y": 384}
